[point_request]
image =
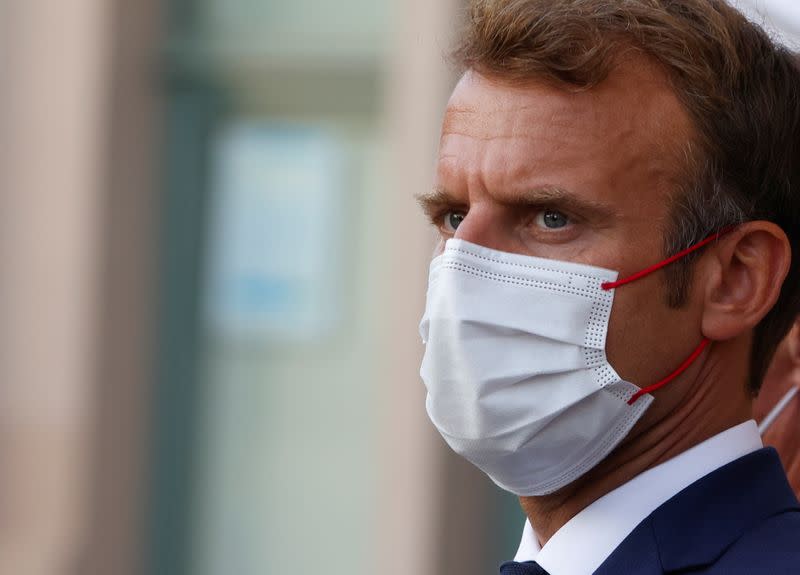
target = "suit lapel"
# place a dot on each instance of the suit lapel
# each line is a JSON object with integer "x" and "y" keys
{"x": 638, "y": 553}
{"x": 696, "y": 526}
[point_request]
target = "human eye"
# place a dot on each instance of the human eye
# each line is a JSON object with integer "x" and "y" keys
{"x": 450, "y": 221}
{"x": 550, "y": 219}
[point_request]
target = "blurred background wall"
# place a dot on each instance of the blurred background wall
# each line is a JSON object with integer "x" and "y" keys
{"x": 53, "y": 115}
{"x": 211, "y": 272}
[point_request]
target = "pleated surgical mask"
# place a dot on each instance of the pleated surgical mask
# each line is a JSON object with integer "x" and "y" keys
{"x": 515, "y": 365}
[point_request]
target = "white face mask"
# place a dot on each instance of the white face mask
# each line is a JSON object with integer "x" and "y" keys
{"x": 515, "y": 365}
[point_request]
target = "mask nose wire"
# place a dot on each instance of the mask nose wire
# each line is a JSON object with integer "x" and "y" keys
{"x": 646, "y": 272}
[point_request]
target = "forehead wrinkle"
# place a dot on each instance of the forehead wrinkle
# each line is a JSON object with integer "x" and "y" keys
{"x": 454, "y": 114}
{"x": 496, "y": 124}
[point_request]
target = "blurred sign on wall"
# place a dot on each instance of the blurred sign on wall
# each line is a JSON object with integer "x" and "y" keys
{"x": 277, "y": 199}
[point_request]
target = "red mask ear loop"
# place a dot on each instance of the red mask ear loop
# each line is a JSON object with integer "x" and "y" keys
{"x": 646, "y": 272}
{"x": 668, "y": 261}
{"x": 683, "y": 367}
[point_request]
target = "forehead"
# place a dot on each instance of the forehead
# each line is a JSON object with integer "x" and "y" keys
{"x": 629, "y": 130}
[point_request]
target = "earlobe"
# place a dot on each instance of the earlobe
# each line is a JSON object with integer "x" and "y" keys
{"x": 744, "y": 279}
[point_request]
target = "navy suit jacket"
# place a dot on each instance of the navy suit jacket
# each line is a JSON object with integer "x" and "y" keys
{"x": 742, "y": 519}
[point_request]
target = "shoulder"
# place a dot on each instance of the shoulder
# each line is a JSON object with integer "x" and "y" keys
{"x": 742, "y": 519}
{"x": 771, "y": 547}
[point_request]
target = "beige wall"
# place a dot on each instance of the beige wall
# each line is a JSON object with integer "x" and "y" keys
{"x": 52, "y": 59}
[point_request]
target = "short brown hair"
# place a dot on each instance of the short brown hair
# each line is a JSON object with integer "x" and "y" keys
{"x": 740, "y": 89}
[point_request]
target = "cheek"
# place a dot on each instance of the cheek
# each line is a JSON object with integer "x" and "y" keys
{"x": 647, "y": 340}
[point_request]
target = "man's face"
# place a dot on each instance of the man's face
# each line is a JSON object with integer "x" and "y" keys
{"x": 578, "y": 176}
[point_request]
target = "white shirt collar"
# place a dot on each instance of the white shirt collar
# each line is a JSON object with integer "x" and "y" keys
{"x": 603, "y": 525}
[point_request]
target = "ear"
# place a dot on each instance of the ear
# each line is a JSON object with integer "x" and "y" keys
{"x": 743, "y": 275}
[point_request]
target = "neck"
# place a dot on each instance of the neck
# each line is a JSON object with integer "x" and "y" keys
{"x": 706, "y": 409}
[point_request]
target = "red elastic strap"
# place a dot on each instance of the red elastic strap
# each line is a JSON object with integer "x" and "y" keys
{"x": 683, "y": 367}
{"x": 646, "y": 272}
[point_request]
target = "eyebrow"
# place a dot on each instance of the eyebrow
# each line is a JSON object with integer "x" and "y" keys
{"x": 540, "y": 196}
{"x": 438, "y": 198}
